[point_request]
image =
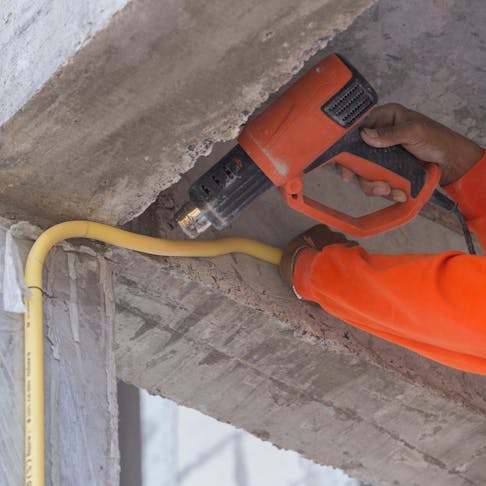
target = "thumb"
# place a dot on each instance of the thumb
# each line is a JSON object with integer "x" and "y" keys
{"x": 386, "y": 136}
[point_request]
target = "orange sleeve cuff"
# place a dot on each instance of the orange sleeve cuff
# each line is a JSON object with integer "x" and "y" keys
{"x": 431, "y": 304}
{"x": 302, "y": 272}
{"x": 470, "y": 191}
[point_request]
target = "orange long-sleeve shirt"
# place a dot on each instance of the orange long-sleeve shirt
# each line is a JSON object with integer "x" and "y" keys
{"x": 434, "y": 305}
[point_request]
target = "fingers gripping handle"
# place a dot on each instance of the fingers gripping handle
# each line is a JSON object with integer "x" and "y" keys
{"x": 393, "y": 165}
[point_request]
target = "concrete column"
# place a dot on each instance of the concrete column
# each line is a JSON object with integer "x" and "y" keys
{"x": 80, "y": 383}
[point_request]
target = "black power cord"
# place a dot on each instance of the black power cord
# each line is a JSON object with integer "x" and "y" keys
{"x": 441, "y": 200}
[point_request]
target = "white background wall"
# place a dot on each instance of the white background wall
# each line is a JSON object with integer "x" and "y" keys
{"x": 182, "y": 447}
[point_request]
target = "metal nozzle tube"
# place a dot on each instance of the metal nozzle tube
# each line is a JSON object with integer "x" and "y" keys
{"x": 192, "y": 220}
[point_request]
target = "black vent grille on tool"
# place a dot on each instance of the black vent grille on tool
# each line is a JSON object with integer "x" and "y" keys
{"x": 350, "y": 103}
{"x": 228, "y": 187}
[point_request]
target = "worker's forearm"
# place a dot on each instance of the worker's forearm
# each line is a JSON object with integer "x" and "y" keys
{"x": 470, "y": 192}
{"x": 432, "y": 304}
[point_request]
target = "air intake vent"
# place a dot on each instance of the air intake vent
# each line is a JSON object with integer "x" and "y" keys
{"x": 351, "y": 103}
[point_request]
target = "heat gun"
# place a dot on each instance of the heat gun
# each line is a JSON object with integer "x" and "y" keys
{"x": 313, "y": 123}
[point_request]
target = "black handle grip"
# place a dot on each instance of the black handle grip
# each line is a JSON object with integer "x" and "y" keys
{"x": 395, "y": 159}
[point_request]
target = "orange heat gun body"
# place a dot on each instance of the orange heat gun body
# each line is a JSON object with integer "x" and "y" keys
{"x": 313, "y": 123}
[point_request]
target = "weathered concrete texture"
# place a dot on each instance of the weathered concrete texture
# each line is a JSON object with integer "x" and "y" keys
{"x": 39, "y": 36}
{"x": 80, "y": 384}
{"x": 148, "y": 95}
{"x": 81, "y": 406}
{"x": 428, "y": 55}
{"x": 203, "y": 348}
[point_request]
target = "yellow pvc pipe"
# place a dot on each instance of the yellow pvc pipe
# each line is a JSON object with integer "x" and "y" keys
{"x": 34, "y": 353}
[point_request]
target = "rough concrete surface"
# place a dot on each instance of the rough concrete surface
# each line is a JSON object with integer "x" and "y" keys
{"x": 37, "y": 37}
{"x": 428, "y": 55}
{"x": 366, "y": 43}
{"x": 149, "y": 94}
{"x": 80, "y": 383}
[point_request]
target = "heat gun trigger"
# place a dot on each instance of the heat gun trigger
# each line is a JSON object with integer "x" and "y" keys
{"x": 393, "y": 165}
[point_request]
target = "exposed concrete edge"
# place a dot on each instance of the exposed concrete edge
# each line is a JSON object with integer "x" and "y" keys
{"x": 230, "y": 277}
{"x": 279, "y": 76}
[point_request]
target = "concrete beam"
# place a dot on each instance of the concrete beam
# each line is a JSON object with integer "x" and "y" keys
{"x": 148, "y": 95}
{"x": 248, "y": 354}
{"x": 223, "y": 336}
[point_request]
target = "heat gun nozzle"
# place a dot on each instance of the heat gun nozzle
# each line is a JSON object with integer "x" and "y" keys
{"x": 192, "y": 220}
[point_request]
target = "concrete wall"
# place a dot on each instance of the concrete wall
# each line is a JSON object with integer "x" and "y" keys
{"x": 37, "y": 37}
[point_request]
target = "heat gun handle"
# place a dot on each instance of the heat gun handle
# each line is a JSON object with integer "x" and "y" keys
{"x": 394, "y": 165}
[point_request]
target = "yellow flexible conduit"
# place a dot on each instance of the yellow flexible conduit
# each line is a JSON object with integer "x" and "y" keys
{"x": 34, "y": 354}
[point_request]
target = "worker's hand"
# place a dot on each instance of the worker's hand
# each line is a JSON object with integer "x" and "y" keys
{"x": 427, "y": 139}
{"x": 317, "y": 238}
